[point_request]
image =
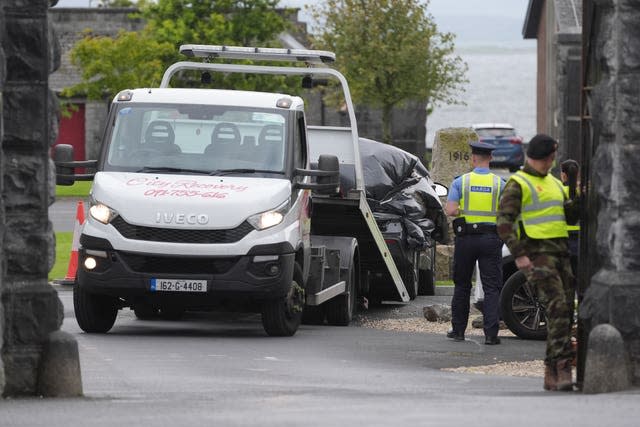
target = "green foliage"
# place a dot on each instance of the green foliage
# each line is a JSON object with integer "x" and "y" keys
{"x": 110, "y": 65}
{"x": 130, "y": 60}
{"x": 391, "y": 52}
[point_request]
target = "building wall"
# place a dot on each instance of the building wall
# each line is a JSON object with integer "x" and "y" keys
{"x": 541, "y": 101}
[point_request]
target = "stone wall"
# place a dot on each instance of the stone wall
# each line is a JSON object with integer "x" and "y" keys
{"x": 31, "y": 308}
{"x": 613, "y": 295}
{"x": 2, "y": 269}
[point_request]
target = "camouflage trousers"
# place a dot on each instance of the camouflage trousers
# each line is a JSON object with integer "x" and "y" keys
{"x": 551, "y": 276}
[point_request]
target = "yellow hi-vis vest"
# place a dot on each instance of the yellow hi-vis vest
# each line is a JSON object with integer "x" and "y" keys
{"x": 575, "y": 227}
{"x": 542, "y": 214}
{"x": 479, "y": 201}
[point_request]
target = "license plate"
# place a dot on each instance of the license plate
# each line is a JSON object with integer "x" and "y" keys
{"x": 178, "y": 285}
{"x": 499, "y": 158}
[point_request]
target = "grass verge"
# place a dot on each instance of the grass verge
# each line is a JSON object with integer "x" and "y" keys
{"x": 63, "y": 253}
{"x": 78, "y": 189}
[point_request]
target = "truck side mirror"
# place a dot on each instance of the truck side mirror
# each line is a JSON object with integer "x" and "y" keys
{"x": 63, "y": 153}
{"x": 327, "y": 176}
{"x": 329, "y": 163}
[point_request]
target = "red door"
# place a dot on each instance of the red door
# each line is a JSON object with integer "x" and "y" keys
{"x": 72, "y": 132}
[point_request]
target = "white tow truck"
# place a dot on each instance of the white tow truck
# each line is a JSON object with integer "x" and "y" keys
{"x": 207, "y": 197}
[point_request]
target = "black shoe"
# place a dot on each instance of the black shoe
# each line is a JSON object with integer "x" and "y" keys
{"x": 456, "y": 336}
{"x": 492, "y": 340}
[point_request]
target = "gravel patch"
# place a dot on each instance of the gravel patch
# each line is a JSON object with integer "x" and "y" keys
{"x": 533, "y": 368}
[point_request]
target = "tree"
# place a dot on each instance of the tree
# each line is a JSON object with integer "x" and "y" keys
{"x": 131, "y": 59}
{"x": 391, "y": 52}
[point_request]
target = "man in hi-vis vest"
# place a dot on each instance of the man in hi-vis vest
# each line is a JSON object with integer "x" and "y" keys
{"x": 532, "y": 220}
{"x": 473, "y": 200}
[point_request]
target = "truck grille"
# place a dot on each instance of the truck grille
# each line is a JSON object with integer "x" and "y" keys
{"x": 177, "y": 265}
{"x": 173, "y": 235}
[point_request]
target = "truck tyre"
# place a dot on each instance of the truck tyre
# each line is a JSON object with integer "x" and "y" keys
{"x": 281, "y": 317}
{"x": 94, "y": 313}
{"x": 522, "y": 312}
{"x": 426, "y": 280}
{"x": 340, "y": 309}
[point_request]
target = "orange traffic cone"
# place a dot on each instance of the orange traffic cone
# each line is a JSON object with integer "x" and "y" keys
{"x": 70, "y": 278}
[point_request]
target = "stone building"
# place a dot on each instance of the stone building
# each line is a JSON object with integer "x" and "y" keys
{"x": 557, "y": 26}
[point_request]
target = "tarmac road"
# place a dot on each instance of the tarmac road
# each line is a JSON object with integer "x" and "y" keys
{"x": 223, "y": 370}
{"x": 62, "y": 213}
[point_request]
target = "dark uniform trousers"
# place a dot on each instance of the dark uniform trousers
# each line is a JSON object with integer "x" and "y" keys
{"x": 487, "y": 250}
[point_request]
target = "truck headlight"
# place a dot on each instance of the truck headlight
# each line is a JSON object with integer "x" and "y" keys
{"x": 270, "y": 218}
{"x": 102, "y": 213}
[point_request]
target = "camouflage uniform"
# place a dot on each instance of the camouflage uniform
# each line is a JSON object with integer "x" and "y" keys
{"x": 551, "y": 273}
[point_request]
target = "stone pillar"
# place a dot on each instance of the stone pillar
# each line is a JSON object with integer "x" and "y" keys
{"x": 31, "y": 307}
{"x": 451, "y": 157}
{"x": 2, "y": 79}
{"x": 613, "y": 295}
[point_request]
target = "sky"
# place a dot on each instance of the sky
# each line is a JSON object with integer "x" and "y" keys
{"x": 474, "y": 21}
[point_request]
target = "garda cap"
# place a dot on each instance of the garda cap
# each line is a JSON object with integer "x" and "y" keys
{"x": 482, "y": 148}
{"x": 541, "y": 146}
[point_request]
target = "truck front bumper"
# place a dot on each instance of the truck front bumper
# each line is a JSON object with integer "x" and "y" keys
{"x": 266, "y": 272}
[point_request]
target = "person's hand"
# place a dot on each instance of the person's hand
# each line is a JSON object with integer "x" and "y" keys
{"x": 524, "y": 263}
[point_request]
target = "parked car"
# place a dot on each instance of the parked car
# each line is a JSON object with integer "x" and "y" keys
{"x": 508, "y": 152}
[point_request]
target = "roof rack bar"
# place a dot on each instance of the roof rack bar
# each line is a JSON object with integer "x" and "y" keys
{"x": 258, "y": 53}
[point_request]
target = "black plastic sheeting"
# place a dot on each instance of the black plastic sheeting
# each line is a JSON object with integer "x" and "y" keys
{"x": 399, "y": 186}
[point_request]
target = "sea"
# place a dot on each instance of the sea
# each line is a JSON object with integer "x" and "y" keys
{"x": 501, "y": 89}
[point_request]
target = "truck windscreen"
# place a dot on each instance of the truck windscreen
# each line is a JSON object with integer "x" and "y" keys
{"x": 195, "y": 138}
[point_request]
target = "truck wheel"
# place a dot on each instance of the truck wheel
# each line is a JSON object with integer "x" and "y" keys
{"x": 522, "y": 312}
{"x": 426, "y": 278}
{"x": 145, "y": 311}
{"x": 281, "y": 317}
{"x": 94, "y": 313}
{"x": 341, "y": 308}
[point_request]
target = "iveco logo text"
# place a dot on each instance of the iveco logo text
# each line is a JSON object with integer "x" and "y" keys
{"x": 174, "y": 218}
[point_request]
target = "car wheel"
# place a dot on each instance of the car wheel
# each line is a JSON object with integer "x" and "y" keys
{"x": 411, "y": 277}
{"x": 426, "y": 279}
{"x": 94, "y": 313}
{"x": 522, "y": 311}
{"x": 281, "y": 317}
